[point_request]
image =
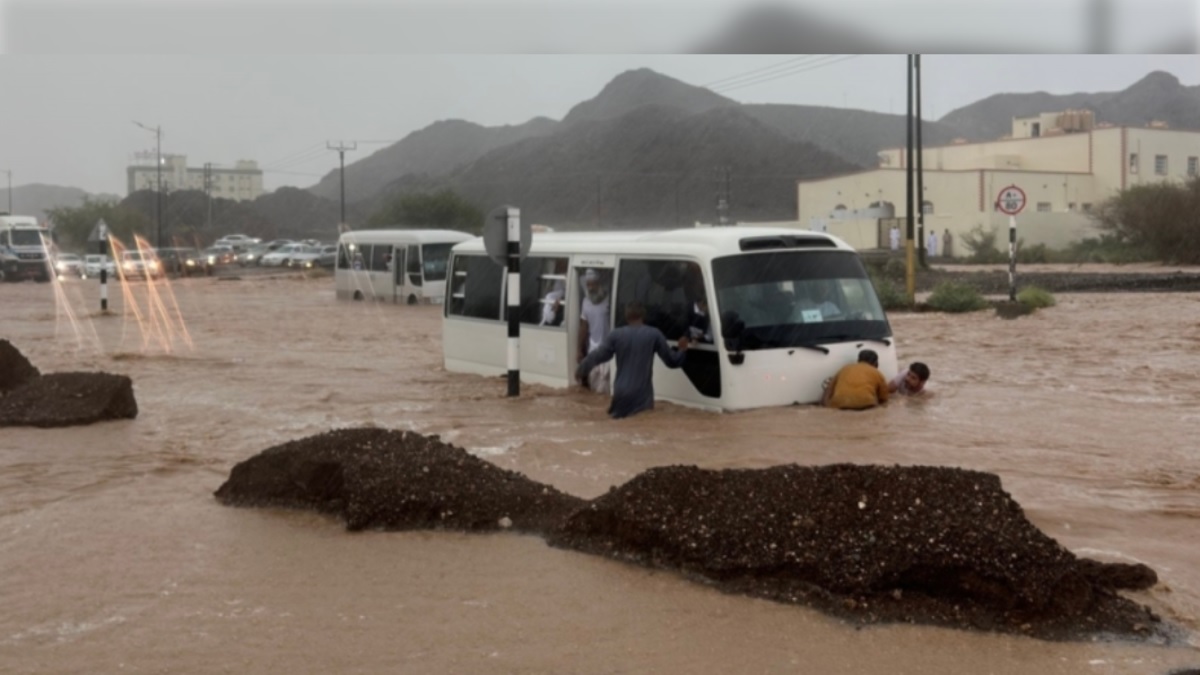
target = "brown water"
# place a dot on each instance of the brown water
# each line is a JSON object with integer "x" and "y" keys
{"x": 114, "y": 557}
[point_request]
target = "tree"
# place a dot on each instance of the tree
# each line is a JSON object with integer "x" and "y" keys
{"x": 73, "y": 224}
{"x": 443, "y": 210}
{"x": 1162, "y": 218}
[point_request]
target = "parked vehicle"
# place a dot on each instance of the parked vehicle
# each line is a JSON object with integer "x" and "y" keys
{"x": 252, "y": 255}
{"x": 144, "y": 264}
{"x": 93, "y": 263}
{"x": 274, "y": 244}
{"x": 328, "y": 258}
{"x": 68, "y": 265}
{"x": 305, "y": 257}
{"x": 282, "y": 255}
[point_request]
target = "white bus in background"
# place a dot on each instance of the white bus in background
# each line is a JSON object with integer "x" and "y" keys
{"x": 399, "y": 266}
{"x": 787, "y": 309}
{"x": 26, "y": 249}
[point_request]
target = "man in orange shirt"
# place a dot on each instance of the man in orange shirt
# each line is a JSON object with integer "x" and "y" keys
{"x": 857, "y": 386}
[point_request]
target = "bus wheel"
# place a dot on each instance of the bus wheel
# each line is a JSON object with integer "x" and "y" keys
{"x": 358, "y": 295}
{"x": 412, "y": 299}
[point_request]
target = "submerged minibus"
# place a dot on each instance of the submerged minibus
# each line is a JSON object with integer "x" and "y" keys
{"x": 396, "y": 266}
{"x": 772, "y": 313}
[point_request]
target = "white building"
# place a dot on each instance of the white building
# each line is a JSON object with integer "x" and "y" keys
{"x": 242, "y": 182}
{"x": 1063, "y": 162}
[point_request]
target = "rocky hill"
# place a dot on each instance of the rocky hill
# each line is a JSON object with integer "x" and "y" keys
{"x": 655, "y": 166}
{"x": 1157, "y": 97}
{"x": 36, "y": 199}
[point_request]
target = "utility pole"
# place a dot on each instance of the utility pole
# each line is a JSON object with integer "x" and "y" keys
{"x": 920, "y": 157}
{"x": 341, "y": 148}
{"x": 911, "y": 285}
{"x": 208, "y": 192}
{"x": 724, "y": 194}
{"x": 158, "y": 210}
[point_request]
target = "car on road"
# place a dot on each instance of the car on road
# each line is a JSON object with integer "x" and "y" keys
{"x": 328, "y": 257}
{"x": 68, "y": 265}
{"x": 184, "y": 262}
{"x": 252, "y": 255}
{"x": 217, "y": 256}
{"x": 93, "y": 263}
{"x": 144, "y": 264}
{"x": 282, "y": 255}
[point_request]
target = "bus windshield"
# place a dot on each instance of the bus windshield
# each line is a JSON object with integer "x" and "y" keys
{"x": 796, "y": 298}
{"x": 435, "y": 257}
{"x": 25, "y": 237}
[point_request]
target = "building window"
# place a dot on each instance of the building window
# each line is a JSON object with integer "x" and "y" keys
{"x": 1043, "y": 207}
{"x": 1160, "y": 165}
{"x": 926, "y": 207}
{"x": 1087, "y": 207}
{"x": 1133, "y": 162}
{"x": 1071, "y": 206}
{"x": 1193, "y": 166}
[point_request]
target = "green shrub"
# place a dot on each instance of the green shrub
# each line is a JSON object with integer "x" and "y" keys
{"x": 890, "y": 295}
{"x": 982, "y": 246}
{"x": 951, "y": 296}
{"x": 1035, "y": 297}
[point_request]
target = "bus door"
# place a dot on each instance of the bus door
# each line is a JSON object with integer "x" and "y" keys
{"x": 598, "y": 272}
{"x": 397, "y": 281}
{"x": 415, "y": 276}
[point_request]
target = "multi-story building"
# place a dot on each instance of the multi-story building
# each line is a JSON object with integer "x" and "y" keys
{"x": 242, "y": 182}
{"x": 1064, "y": 162}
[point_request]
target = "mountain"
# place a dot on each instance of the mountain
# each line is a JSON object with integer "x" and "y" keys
{"x": 656, "y": 166}
{"x": 434, "y": 150}
{"x": 636, "y": 88}
{"x": 36, "y": 199}
{"x": 1158, "y": 96}
{"x": 856, "y": 136}
{"x": 299, "y": 214}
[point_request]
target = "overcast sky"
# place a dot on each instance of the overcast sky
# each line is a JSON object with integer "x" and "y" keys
{"x": 68, "y": 119}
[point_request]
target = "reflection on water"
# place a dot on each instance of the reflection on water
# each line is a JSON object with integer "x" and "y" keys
{"x": 115, "y": 556}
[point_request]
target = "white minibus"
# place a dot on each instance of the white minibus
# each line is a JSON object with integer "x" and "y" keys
{"x": 773, "y": 312}
{"x": 396, "y": 266}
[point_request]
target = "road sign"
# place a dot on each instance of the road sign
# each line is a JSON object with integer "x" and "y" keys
{"x": 99, "y": 231}
{"x": 495, "y": 234}
{"x": 1011, "y": 200}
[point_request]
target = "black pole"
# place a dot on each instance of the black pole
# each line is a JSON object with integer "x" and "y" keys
{"x": 342, "y": 175}
{"x": 513, "y": 227}
{"x": 103, "y": 232}
{"x": 919, "y": 156}
{"x": 158, "y": 194}
{"x": 908, "y": 182}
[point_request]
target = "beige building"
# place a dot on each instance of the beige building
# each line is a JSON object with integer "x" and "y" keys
{"x": 1064, "y": 163}
{"x": 240, "y": 183}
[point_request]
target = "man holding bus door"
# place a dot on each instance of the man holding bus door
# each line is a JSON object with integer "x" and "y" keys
{"x": 594, "y": 326}
{"x": 634, "y": 345}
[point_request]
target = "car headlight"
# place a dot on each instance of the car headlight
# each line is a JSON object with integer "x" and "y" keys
{"x": 212, "y": 259}
{"x": 128, "y": 265}
{"x": 191, "y": 263}
{"x": 61, "y": 266}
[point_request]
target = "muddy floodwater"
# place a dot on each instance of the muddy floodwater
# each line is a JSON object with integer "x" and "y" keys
{"x": 115, "y": 557}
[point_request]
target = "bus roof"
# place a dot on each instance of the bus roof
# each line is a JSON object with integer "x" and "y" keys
{"x": 404, "y": 237}
{"x": 19, "y": 221}
{"x": 705, "y": 242}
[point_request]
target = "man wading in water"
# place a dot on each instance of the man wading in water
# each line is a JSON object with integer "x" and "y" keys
{"x": 634, "y": 345}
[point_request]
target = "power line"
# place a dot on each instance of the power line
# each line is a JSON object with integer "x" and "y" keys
{"x": 838, "y": 58}
{"x": 725, "y": 81}
{"x": 289, "y": 157}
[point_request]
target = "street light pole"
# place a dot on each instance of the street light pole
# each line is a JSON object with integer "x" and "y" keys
{"x": 158, "y": 211}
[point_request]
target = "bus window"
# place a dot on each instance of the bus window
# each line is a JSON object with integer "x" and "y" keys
{"x": 668, "y": 289}
{"x": 543, "y": 291}
{"x": 343, "y": 260}
{"x": 435, "y": 257}
{"x": 414, "y": 265}
{"x": 379, "y": 258}
{"x": 475, "y": 288}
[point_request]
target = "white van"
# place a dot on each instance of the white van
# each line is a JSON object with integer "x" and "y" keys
{"x": 773, "y": 312}
{"x": 26, "y": 248}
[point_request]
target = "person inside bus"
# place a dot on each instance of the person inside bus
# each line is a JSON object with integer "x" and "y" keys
{"x": 699, "y": 321}
{"x": 552, "y": 304}
{"x": 910, "y": 382}
{"x": 858, "y": 386}
{"x": 634, "y": 345}
{"x": 594, "y": 325}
